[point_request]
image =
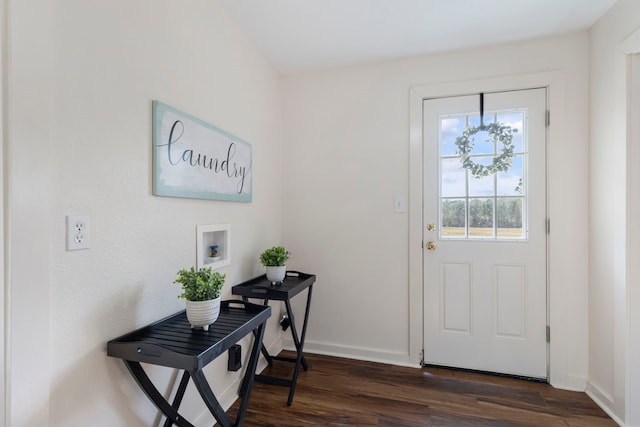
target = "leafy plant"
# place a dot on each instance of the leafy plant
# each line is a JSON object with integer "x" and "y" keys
{"x": 498, "y": 133}
{"x": 201, "y": 285}
{"x": 274, "y": 257}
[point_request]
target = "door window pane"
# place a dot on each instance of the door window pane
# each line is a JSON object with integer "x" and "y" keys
{"x": 510, "y": 218}
{"x": 483, "y": 186}
{"x": 481, "y": 218}
{"x": 453, "y": 178}
{"x": 454, "y": 216}
{"x": 511, "y": 183}
{"x": 450, "y": 129}
{"x": 474, "y": 120}
{"x": 482, "y": 143}
{"x": 516, "y": 121}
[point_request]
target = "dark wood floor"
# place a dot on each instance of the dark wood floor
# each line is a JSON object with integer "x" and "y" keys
{"x": 338, "y": 391}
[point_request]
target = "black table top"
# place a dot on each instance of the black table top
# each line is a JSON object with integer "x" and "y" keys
{"x": 260, "y": 287}
{"x": 171, "y": 341}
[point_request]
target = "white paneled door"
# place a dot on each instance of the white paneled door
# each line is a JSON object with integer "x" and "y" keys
{"x": 485, "y": 230}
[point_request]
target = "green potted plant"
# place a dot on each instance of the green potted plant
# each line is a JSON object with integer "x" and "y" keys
{"x": 274, "y": 260}
{"x": 201, "y": 290}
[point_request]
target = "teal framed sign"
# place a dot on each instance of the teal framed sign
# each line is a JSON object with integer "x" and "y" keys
{"x": 194, "y": 159}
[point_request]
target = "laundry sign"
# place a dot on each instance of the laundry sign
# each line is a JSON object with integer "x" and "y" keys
{"x": 194, "y": 159}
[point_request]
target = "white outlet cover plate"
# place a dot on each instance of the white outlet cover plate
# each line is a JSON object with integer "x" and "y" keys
{"x": 78, "y": 232}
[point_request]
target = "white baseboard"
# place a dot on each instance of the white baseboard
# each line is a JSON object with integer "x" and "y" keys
{"x": 571, "y": 383}
{"x": 603, "y": 400}
{"x": 368, "y": 354}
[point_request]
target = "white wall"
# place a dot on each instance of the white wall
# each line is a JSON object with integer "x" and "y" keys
{"x": 609, "y": 307}
{"x": 347, "y": 139}
{"x": 82, "y": 78}
{"x": 29, "y": 198}
{"x": 632, "y": 374}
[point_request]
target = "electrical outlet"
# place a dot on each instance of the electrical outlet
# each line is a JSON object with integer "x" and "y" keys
{"x": 78, "y": 232}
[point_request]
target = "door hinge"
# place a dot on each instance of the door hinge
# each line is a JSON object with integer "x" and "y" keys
{"x": 548, "y": 333}
{"x": 547, "y": 118}
{"x": 548, "y": 225}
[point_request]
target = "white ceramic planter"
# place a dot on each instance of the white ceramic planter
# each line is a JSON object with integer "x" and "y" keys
{"x": 276, "y": 274}
{"x": 203, "y": 313}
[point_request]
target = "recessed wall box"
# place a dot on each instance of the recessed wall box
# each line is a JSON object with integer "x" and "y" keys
{"x": 213, "y": 246}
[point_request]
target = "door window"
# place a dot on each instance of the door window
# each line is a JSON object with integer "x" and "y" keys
{"x": 490, "y": 207}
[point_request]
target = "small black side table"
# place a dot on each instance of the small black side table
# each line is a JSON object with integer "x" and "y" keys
{"x": 261, "y": 288}
{"x": 171, "y": 342}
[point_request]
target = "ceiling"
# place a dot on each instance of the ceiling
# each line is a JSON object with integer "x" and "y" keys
{"x": 307, "y": 35}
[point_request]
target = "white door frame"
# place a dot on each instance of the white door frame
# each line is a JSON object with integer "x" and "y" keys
{"x": 557, "y": 295}
{"x": 630, "y": 47}
{"x": 4, "y": 306}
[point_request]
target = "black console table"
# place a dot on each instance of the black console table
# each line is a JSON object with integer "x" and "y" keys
{"x": 171, "y": 342}
{"x": 261, "y": 288}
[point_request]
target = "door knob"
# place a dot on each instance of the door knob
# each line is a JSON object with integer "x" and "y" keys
{"x": 431, "y": 226}
{"x": 431, "y": 246}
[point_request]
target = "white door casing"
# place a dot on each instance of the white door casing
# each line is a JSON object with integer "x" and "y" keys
{"x": 485, "y": 296}
{"x": 4, "y": 419}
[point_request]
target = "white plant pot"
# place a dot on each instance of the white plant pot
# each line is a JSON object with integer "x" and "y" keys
{"x": 276, "y": 274}
{"x": 203, "y": 313}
